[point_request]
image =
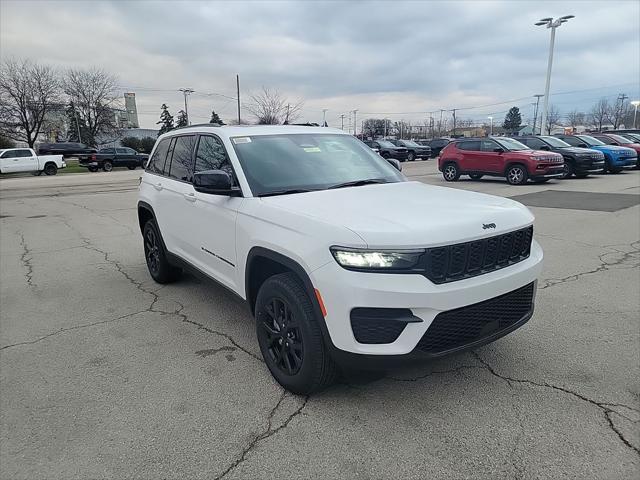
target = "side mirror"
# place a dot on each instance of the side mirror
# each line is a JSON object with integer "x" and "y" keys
{"x": 498, "y": 150}
{"x": 584, "y": 145}
{"x": 214, "y": 182}
{"x": 395, "y": 164}
{"x": 545, "y": 147}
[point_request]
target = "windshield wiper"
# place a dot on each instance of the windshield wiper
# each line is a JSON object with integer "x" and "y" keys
{"x": 287, "y": 192}
{"x": 357, "y": 183}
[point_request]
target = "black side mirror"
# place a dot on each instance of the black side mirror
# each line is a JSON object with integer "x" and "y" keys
{"x": 498, "y": 150}
{"x": 584, "y": 145}
{"x": 215, "y": 182}
{"x": 545, "y": 147}
{"x": 395, "y": 164}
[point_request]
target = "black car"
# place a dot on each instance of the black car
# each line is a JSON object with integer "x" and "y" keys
{"x": 67, "y": 149}
{"x": 415, "y": 150}
{"x": 386, "y": 149}
{"x": 577, "y": 161}
{"x": 107, "y": 158}
{"x": 436, "y": 145}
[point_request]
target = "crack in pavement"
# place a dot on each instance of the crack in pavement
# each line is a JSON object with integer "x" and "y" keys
{"x": 266, "y": 433}
{"x": 604, "y": 265}
{"x": 601, "y": 405}
{"x": 26, "y": 259}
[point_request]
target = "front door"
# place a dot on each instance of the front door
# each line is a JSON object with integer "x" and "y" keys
{"x": 214, "y": 221}
{"x": 490, "y": 160}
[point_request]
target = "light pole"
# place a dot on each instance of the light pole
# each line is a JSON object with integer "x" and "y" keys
{"x": 355, "y": 123}
{"x": 324, "y": 117}
{"x": 186, "y": 91}
{"x": 491, "y": 131}
{"x": 552, "y": 24}
{"x": 635, "y": 104}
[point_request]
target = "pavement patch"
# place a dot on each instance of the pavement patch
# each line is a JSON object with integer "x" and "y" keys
{"x": 595, "y": 202}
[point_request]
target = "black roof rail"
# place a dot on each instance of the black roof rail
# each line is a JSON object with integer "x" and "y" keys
{"x": 198, "y": 125}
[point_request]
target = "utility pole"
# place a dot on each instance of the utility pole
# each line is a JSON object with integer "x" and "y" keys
{"x": 75, "y": 112}
{"x": 619, "y": 107}
{"x": 238, "y": 95}
{"x": 342, "y": 121}
{"x": 186, "y": 92}
{"x": 440, "y": 124}
{"x": 454, "y": 122}
{"x": 535, "y": 115}
{"x": 286, "y": 118}
{"x": 324, "y": 117}
{"x": 355, "y": 123}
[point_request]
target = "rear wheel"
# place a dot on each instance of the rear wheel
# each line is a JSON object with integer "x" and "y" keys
{"x": 290, "y": 338}
{"x": 92, "y": 169}
{"x": 156, "y": 256}
{"x": 50, "y": 169}
{"x": 107, "y": 166}
{"x": 450, "y": 172}
{"x": 517, "y": 175}
{"x": 476, "y": 176}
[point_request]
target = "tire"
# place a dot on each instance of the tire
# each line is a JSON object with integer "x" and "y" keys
{"x": 290, "y": 337}
{"x": 384, "y": 155}
{"x": 155, "y": 255}
{"x": 50, "y": 169}
{"x": 131, "y": 167}
{"x": 450, "y": 172}
{"x": 581, "y": 175}
{"x": 92, "y": 169}
{"x": 411, "y": 157}
{"x": 107, "y": 166}
{"x": 517, "y": 174}
{"x": 476, "y": 176}
{"x": 37, "y": 173}
{"x": 567, "y": 171}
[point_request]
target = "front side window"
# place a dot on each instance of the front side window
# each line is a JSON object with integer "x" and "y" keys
{"x": 122, "y": 151}
{"x": 556, "y": 142}
{"x": 8, "y": 154}
{"x": 157, "y": 160}
{"x": 277, "y": 163}
{"x": 534, "y": 143}
{"x": 488, "y": 145}
{"x": 409, "y": 143}
{"x": 182, "y": 159}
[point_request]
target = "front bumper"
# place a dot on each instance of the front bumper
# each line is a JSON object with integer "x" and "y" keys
{"x": 343, "y": 290}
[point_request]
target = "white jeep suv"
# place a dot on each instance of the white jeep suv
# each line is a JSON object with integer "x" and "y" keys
{"x": 338, "y": 255}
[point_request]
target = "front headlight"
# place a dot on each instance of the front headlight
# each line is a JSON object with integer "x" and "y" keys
{"x": 385, "y": 260}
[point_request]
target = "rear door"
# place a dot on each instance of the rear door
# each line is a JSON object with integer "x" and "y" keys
{"x": 176, "y": 197}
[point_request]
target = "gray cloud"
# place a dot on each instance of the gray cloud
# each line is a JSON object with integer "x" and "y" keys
{"x": 374, "y": 56}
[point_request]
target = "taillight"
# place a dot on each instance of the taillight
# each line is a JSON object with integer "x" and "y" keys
{"x": 93, "y": 156}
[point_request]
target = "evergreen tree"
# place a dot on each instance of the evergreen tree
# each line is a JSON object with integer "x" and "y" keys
{"x": 77, "y": 130}
{"x": 512, "y": 120}
{"x": 166, "y": 120}
{"x": 215, "y": 118}
{"x": 182, "y": 119}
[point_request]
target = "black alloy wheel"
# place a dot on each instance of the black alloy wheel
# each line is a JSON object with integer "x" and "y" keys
{"x": 411, "y": 156}
{"x": 50, "y": 169}
{"x": 107, "y": 166}
{"x": 284, "y": 343}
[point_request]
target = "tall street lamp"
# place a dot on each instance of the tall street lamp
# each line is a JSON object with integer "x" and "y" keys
{"x": 552, "y": 24}
{"x": 635, "y": 104}
{"x": 324, "y": 117}
{"x": 491, "y": 131}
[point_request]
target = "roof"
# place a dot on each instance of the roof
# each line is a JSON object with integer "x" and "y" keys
{"x": 251, "y": 130}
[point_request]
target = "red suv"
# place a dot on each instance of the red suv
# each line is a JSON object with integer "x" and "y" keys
{"x": 499, "y": 157}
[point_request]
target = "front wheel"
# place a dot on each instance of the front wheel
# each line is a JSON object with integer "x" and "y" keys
{"x": 411, "y": 157}
{"x": 107, "y": 166}
{"x": 450, "y": 172}
{"x": 517, "y": 175}
{"x": 290, "y": 337}
{"x": 50, "y": 169}
{"x": 567, "y": 170}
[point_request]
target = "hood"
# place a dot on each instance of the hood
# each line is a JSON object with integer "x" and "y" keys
{"x": 612, "y": 148}
{"x": 409, "y": 214}
{"x": 575, "y": 150}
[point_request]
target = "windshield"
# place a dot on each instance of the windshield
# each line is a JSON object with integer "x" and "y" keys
{"x": 511, "y": 144}
{"x": 409, "y": 143}
{"x": 620, "y": 139}
{"x": 384, "y": 143}
{"x": 590, "y": 140}
{"x": 555, "y": 142}
{"x": 276, "y": 163}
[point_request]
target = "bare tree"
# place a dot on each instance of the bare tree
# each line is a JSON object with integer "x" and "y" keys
{"x": 575, "y": 118}
{"x": 28, "y": 91}
{"x": 95, "y": 96}
{"x": 600, "y": 114}
{"x": 553, "y": 118}
{"x": 619, "y": 111}
{"x": 271, "y": 108}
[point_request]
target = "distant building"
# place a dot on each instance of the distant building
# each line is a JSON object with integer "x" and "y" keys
{"x": 127, "y": 117}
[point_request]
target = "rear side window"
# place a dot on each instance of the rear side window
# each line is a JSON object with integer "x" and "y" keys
{"x": 122, "y": 151}
{"x": 606, "y": 140}
{"x": 182, "y": 159}
{"x": 469, "y": 145}
{"x": 156, "y": 163}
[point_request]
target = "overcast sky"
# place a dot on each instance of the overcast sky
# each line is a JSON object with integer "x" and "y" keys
{"x": 393, "y": 59}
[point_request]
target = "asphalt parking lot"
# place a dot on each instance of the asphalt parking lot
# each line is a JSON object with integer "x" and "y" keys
{"x": 105, "y": 374}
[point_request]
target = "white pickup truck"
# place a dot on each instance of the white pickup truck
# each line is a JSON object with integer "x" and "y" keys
{"x": 13, "y": 160}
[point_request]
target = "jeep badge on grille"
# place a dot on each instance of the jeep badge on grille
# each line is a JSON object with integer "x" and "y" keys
{"x": 488, "y": 225}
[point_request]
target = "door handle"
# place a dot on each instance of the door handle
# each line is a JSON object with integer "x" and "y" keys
{"x": 191, "y": 197}
{"x": 158, "y": 186}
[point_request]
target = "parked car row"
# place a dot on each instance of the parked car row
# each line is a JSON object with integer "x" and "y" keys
{"x": 408, "y": 150}
{"x": 536, "y": 158}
